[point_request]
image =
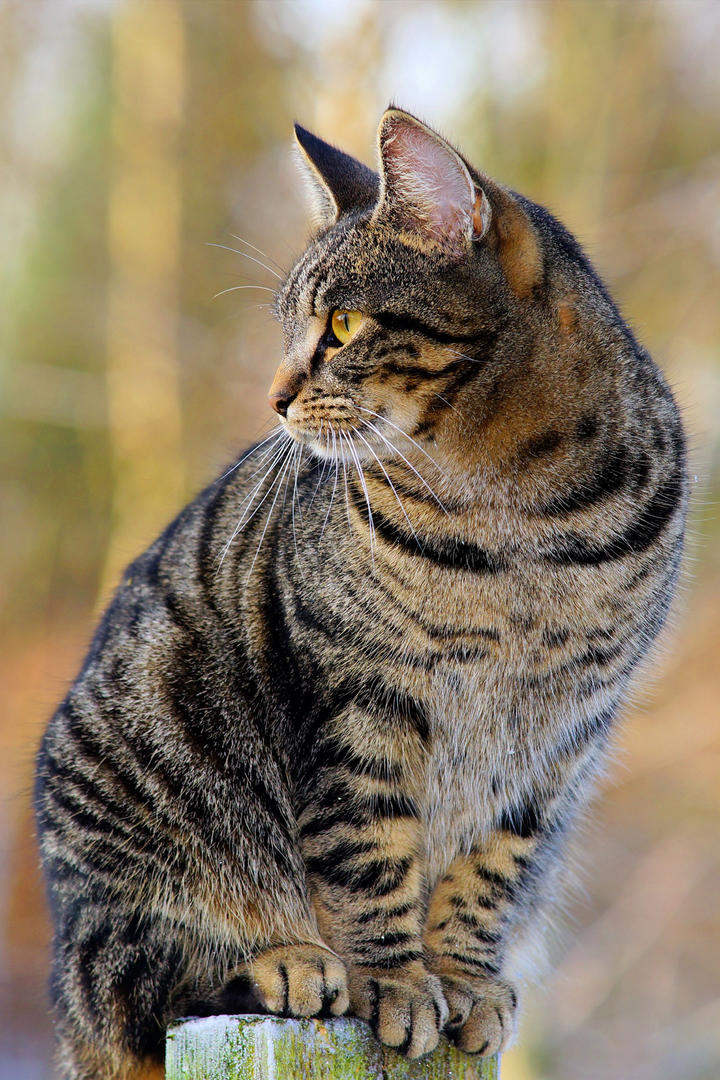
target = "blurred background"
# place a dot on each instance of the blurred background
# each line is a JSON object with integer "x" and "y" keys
{"x": 133, "y": 135}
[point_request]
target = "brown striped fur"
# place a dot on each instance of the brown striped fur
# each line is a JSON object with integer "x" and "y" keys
{"x": 339, "y": 720}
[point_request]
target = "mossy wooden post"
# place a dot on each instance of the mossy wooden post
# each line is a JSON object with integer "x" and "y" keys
{"x": 270, "y": 1048}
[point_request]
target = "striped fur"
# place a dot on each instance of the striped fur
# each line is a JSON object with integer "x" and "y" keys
{"x": 338, "y": 721}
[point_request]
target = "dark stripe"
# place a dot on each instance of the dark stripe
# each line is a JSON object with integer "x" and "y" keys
{"x": 329, "y": 861}
{"x": 539, "y": 446}
{"x": 391, "y": 962}
{"x": 456, "y": 554}
{"x": 640, "y": 534}
{"x": 386, "y": 940}
{"x": 378, "y": 877}
{"x": 584, "y": 732}
{"x": 501, "y": 885}
{"x": 487, "y": 903}
{"x": 523, "y": 820}
{"x": 207, "y": 556}
{"x": 417, "y": 372}
{"x": 444, "y": 632}
{"x": 480, "y": 933}
{"x": 285, "y": 989}
{"x": 86, "y": 953}
{"x": 609, "y": 477}
{"x": 391, "y": 321}
{"x": 380, "y": 699}
{"x": 384, "y": 914}
{"x": 331, "y": 754}
{"x": 587, "y": 428}
{"x": 470, "y": 961}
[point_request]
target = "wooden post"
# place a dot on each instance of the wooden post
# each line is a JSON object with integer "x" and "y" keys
{"x": 270, "y": 1048}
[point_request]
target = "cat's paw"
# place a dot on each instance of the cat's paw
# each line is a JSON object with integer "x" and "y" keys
{"x": 300, "y": 980}
{"x": 405, "y": 1011}
{"x": 482, "y": 1014}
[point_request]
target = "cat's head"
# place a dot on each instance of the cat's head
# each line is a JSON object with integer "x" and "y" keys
{"x": 417, "y": 299}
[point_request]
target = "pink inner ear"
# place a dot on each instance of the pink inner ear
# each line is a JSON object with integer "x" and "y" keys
{"x": 427, "y": 182}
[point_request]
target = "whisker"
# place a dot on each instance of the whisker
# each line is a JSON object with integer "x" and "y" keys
{"x": 276, "y": 448}
{"x": 361, "y": 474}
{"x": 274, "y": 434}
{"x": 392, "y": 487}
{"x": 335, "y": 484}
{"x": 279, "y": 481}
{"x": 402, "y": 456}
{"x": 237, "y": 288}
{"x": 245, "y": 255}
{"x": 325, "y": 463}
{"x": 297, "y": 456}
{"x": 345, "y": 482}
{"x": 449, "y": 405}
{"x": 264, "y": 254}
{"x": 464, "y": 356}
{"x": 248, "y": 499}
{"x": 416, "y": 444}
{"x": 282, "y": 453}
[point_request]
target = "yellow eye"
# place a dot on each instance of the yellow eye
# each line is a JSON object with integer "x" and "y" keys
{"x": 345, "y": 324}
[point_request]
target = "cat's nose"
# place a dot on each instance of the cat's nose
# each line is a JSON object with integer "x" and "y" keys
{"x": 281, "y": 399}
{"x": 285, "y": 388}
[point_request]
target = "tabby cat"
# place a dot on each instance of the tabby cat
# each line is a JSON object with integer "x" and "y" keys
{"x": 338, "y": 721}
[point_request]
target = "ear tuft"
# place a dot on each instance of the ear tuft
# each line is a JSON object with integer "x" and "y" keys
{"x": 336, "y": 181}
{"x": 426, "y": 186}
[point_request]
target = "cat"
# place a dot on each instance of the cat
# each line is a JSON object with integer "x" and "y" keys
{"x": 339, "y": 721}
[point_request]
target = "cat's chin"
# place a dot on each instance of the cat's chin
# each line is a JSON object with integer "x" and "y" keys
{"x": 337, "y": 452}
{"x": 333, "y": 445}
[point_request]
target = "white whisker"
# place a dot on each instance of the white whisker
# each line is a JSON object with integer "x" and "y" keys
{"x": 345, "y": 482}
{"x": 449, "y": 405}
{"x": 464, "y": 356}
{"x": 274, "y": 434}
{"x": 416, "y": 444}
{"x": 279, "y": 481}
{"x": 264, "y": 254}
{"x": 335, "y": 483}
{"x": 325, "y": 462}
{"x": 258, "y": 486}
{"x": 246, "y": 256}
{"x": 280, "y": 454}
{"x": 392, "y": 486}
{"x": 361, "y": 474}
{"x": 297, "y": 456}
{"x": 237, "y": 288}
{"x": 402, "y": 456}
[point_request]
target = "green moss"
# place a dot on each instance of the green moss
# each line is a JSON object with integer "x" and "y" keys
{"x": 270, "y": 1048}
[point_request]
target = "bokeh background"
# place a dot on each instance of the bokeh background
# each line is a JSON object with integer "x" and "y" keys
{"x": 136, "y": 133}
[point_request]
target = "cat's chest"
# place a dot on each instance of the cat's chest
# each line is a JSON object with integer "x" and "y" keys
{"x": 480, "y": 760}
{"x": 467, "y": 748}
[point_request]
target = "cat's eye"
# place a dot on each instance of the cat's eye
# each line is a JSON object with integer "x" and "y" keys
{"x": 345, "y": 324}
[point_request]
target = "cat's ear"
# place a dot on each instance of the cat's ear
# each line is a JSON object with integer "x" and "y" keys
{"x": 426, "y": 187}
{"x": 336, "y": 181}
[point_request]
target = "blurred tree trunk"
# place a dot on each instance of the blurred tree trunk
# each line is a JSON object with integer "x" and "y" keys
{"x": 144, "y": 225}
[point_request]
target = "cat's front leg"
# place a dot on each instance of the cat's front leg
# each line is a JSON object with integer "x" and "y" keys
{"x": 362, "y": 845}
{"x": 469, "y": 919}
